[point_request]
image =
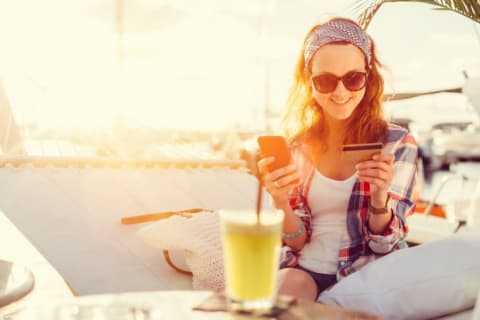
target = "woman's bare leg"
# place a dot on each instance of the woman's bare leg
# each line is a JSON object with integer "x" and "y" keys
{"x": 297, "y": 283}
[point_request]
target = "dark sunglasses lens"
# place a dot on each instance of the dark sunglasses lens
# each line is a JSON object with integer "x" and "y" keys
{"x": 325, "y": 83}
{"x": 355, "y": 81}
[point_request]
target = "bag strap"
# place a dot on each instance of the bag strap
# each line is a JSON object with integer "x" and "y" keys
{"x": 169, "y": 261}
{"x": 161, "y": 215}
{"x": 187, "y": 213}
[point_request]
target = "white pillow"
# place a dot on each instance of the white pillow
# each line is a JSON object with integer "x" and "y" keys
{"x": 199, "y": 236}
{"x": 421, "y": 282}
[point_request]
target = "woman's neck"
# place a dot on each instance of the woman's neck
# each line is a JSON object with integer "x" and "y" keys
{"x": 336, "y": 132}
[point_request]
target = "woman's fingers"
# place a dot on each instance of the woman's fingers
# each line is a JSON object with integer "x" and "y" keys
{"x": 288, "y": 180}
{"x": 374, "y": 164}
{"x": 380, "y": 183}
{"x": 388, "y": 158}
{"x": 284, "y": 171}
{"x": 291, "y": 178}
{"x": 378, "y": 171}
{"x": 274, "y": 175}
{"x": 281, "y": 188}
{"x": 263, "y": 164}
{"x": 279, "y": 182}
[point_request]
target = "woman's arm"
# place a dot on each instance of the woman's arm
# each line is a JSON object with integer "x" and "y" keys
{"x": 280, "y": 184}
{"x": 294, "y": 232}
{"x": 378, "y": 172}
{"x": 384, "y": 230}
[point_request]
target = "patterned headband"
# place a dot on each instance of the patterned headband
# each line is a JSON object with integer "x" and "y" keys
{"x": 337, "y": 31}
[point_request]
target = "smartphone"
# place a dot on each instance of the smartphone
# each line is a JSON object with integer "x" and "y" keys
{"x": 361, "y": 151}
{"x": 275, "y": 146}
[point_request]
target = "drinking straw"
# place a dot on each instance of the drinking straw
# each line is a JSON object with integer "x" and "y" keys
{"x": 259, "y": 200}
{"x": 259, "y": 191}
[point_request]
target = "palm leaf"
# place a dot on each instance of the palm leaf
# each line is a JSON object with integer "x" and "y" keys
{"x": 366, "y": 9}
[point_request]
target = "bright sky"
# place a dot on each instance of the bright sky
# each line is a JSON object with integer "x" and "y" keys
{"x": 198, "y": 64}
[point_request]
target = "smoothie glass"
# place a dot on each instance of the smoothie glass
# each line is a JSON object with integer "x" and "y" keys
{"x": 251, "y": 257}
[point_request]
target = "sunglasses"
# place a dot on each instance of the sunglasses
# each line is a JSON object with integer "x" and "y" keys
{"x": 327, "y": 82}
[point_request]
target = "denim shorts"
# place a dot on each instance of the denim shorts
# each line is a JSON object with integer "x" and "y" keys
{"x": 322, "y": 280}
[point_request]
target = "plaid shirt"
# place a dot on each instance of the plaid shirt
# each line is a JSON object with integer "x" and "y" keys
{"x": 359, "y": 245}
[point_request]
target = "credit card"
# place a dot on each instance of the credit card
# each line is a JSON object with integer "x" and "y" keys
{"x": 360, "y": 151}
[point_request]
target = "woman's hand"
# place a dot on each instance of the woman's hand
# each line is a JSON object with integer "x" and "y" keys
{"x": 279, "y": 182}
{"x": 379, "y": 173}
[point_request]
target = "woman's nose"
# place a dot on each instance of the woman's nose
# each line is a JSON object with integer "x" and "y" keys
{"x": 340, "y": 89}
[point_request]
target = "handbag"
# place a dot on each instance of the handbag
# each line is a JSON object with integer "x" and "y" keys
{"x": 195, "y": 231}
{"x": 149, "y": 217}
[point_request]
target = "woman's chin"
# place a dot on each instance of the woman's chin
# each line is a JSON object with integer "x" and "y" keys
{"x": 340, "y": 116}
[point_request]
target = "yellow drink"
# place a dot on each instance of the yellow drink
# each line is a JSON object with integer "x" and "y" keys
{"x": 251, "y": 255}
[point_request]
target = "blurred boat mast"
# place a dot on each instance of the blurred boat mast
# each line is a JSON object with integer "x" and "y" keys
{"x": 119, "y": 19}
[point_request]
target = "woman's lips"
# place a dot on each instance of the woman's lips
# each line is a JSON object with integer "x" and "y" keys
{"x": 340, "y": 102}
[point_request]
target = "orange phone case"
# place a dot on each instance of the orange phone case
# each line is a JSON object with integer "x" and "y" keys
{"x": 275, "y": 146}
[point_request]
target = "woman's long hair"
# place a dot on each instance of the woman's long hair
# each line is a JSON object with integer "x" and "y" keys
{"x": 304, "y": 119}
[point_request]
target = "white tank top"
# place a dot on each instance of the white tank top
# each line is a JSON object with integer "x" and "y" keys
{"x": 328, "y": 202}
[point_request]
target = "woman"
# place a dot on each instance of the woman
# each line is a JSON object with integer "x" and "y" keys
{"x": 339, "y": 214}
